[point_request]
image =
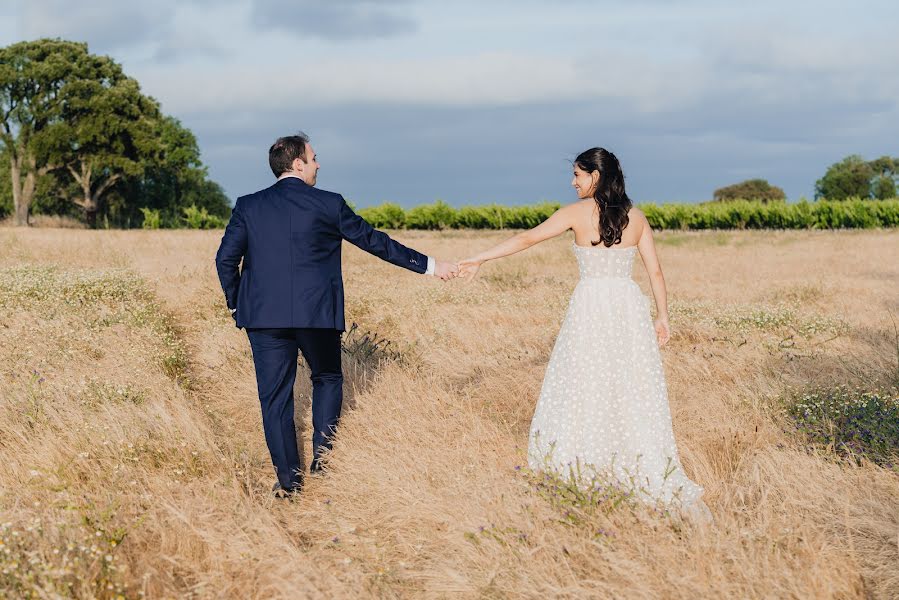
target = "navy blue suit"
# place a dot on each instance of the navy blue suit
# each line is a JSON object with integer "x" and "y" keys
{"x": 289, "y": 298}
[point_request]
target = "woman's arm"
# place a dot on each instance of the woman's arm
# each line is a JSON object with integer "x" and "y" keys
{"x": 647, "y": 249}
{"x": 558, "y": 223}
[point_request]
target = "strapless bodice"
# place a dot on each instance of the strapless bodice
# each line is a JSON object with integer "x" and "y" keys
{"x": 599, "y": 262}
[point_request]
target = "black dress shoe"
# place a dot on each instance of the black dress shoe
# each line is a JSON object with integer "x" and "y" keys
{"x": 289, "y": 493}
{"x": 315, "y": 466}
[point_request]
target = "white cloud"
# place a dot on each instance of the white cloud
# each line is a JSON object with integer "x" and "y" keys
{"x": 489, "y": 79}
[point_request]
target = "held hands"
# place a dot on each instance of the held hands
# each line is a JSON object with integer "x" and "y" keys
{"x": 663, "y": 331}
{"x": 468, "y": 268}
{"x": 446, "y": 270}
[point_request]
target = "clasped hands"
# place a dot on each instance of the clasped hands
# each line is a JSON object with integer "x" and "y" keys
{"x": 466, "y": 269}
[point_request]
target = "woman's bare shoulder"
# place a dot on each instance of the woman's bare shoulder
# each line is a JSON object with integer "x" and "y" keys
{"x": 636, "y": 213}
{"x": 586, "y": 203}
{"x": 578, "y": 209}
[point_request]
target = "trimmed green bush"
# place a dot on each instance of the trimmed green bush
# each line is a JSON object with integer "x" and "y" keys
{"x": 152, "y": 218}
{"x": 199, "y": 218}
{"x": 854, "y": 213}
{"x": 386, "y": 216}
{"x": 439, "y": 215}
{"x": 744, "y": 214}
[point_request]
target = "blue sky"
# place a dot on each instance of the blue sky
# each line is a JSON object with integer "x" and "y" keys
{"x": 476, "y": 102}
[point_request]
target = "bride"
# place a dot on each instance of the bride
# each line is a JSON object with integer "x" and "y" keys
{"x": 603, "y": 407}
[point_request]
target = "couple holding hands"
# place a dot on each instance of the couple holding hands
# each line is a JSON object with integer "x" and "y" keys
{"x": 603, "y": 407}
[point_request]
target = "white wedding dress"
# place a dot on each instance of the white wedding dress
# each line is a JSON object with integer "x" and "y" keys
{"x": 603, "y": 409}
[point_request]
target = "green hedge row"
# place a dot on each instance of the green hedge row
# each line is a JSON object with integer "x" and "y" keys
{"x": 745, "y": 214}
{"x": 441, "y": 215}
{"x": 737, "y": 214}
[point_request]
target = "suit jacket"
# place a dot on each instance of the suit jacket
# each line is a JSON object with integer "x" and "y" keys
{"x": 289, "y": 237}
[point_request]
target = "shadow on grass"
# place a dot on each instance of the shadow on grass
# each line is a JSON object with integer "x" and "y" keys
{"x": 363, "y": 353}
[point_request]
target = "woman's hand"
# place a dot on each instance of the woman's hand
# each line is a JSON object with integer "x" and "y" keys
{"x": 663, "y": 331}
{"x": 468, "y": 268}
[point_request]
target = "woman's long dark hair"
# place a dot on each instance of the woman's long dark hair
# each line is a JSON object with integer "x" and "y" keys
{"x": 610, "y": 196}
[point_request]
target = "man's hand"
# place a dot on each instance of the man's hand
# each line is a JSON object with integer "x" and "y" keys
{"x": 468, "y": 268}
{"x": 446, "y": 270}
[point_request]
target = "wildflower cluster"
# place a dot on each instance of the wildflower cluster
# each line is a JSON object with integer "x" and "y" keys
{"x": 853, "y": 423}
{"x": 779, "y": 319}
{"x": 101, "y": 298}
{"x": 120, "y": 457}
{"x": 782, "y": 327}
{"x": 51, "y": 288}
{"x": 504, "y": 536}
{"x": 98, "y": 393}
{"x": 40, "y": 559}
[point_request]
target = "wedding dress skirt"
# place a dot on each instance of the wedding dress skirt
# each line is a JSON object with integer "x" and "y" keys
{"x": 603, "y": 409}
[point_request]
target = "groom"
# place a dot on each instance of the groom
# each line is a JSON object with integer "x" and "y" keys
{"x": 289, "y": 294}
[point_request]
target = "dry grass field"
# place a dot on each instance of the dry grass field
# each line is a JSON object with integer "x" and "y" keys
{"x": 133, "y": 464}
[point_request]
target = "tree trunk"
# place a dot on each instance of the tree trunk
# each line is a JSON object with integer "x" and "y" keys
{"x": 88, "y": 203}
{"x": 21, "y": 201}
{"x": 90, "y": 216}
{"x": 21, "y": 215}
{"x": 90, "y": 200}
{"x": 23, "y": 191}
{"x": 26, "y": 195}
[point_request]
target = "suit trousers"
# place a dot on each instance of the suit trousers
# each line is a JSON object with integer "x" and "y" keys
{"x": 275, "y": 353}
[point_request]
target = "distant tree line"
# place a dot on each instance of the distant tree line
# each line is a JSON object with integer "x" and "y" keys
{"x": 852, "y": 177}
{"x": 78, "y": 138}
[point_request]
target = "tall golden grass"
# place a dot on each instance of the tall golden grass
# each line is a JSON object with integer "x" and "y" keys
{"x": 133, "y": 461}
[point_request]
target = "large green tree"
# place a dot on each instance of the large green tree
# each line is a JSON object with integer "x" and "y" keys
{"x": 80, "y": 136}
{"x": 33, "y": 80}
{"x": 855, "y": 177}
{"x": 886, "y": 171}
{"x": 174, "y": 178}
{"x": 106, "y": 133}
{"x": 751, "y": 189}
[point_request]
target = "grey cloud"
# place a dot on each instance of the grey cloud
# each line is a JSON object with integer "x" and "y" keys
{"x": 338, "y": 20}
{"x": 106, "y": 25}
{"x": 175, "y": 47}
{"x": 521, "y": 154}
{"x": 113, "y": 26}
{"x": 731, "y": 104}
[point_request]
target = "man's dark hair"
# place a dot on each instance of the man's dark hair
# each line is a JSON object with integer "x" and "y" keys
{"x": 285, "y": 150}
